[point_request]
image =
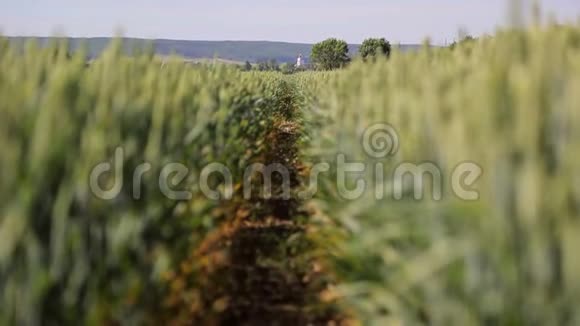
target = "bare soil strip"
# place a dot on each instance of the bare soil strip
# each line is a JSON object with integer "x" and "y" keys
{"x": 256, "y": 269}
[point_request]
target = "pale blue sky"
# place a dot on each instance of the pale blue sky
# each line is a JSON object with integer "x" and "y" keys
{"x": 405, "y": 21}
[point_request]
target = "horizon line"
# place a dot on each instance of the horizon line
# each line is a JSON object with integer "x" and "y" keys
{"x": 190, "y": 40}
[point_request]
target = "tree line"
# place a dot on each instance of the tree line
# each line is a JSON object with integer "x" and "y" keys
{"x": 328, "y": 55}
{"x": 333, "y": 53}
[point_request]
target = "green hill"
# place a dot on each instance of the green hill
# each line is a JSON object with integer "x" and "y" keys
{"x": 239, "y": 51}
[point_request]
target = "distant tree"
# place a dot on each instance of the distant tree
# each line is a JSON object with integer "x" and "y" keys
{"x": 263, "y": 65}
{"x": 465, "y": 40}
{"x": 373, "y": 47}
{"x": 268, "y": 65}
{"x": 287, "y": 68}
{"x": 330, "y": 54}
{"x": 273, "y": 65}
{"x": 247, "y": 66}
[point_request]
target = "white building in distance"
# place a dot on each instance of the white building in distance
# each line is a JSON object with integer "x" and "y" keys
{"x": 299, "y": 62}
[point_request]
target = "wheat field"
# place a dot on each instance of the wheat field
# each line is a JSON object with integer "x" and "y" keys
{"x": 508, "y": 104}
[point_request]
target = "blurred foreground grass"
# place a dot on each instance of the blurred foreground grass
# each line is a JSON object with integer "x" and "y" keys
{"x": 68, "y": 257}
{"x": 509, "y": 103}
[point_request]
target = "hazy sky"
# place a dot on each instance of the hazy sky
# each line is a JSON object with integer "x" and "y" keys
{"x": 405, "y": 21}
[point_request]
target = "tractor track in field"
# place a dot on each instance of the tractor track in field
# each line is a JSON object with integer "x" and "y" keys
{"x": 256, "y": 268}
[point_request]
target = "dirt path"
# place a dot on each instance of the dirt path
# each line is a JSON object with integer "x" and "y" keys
{"x": 256, "y": 269}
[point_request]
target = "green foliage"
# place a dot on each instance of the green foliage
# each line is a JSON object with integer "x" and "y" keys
{"x": 247, "y": 66}
{"x": 373, "y": 47}
{"x": 268, "y": 65}
{"x": 286, "y": 68}
{"x": 511, "y": 105}
{"x": 330, "y": 54}
{"x": 464, "y": 41}
{"x": 68, "y": 257}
